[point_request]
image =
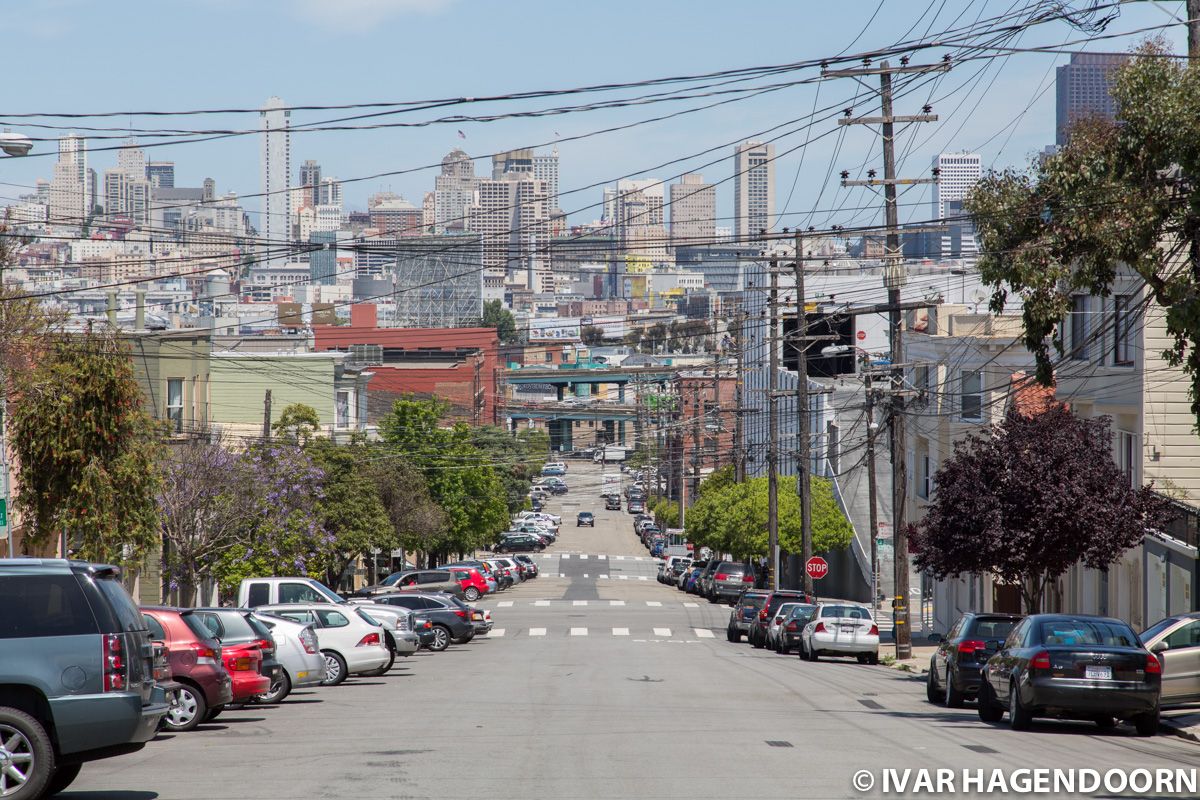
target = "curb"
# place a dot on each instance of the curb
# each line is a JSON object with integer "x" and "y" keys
{"x": 1172, "y": 730}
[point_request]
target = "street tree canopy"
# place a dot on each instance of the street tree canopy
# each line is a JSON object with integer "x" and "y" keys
{"x": 495, "y": 315}
{"x": 1119, "y": 192}
{"x": 1030, "y": 497}
{"x": 297, "y": 423}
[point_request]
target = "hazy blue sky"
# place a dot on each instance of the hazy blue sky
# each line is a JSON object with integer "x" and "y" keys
{"x": 86, "y": 55}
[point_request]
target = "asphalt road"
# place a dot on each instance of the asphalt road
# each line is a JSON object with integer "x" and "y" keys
{"x": 596, "y": 683}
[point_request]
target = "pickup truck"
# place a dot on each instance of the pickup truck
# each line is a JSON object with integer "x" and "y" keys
{"x": 76, "y": 672}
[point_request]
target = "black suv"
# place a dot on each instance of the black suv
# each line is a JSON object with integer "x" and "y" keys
{"x": 76, "y": 672}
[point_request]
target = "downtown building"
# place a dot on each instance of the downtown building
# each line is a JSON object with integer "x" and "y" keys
{"x": 1083, "y": 89}
{"x": 454, "y": 192}
{"x": 275, "y": 170}
{"x": 511, "y": 214}
{"x": 753, "y": 190}
{"x": 70, "y": 201}
{"x": 693, "y": 211}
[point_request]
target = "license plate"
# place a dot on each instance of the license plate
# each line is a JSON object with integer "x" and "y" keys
{"x": 1094, "y": 673}
{"x": 849, "y": 628}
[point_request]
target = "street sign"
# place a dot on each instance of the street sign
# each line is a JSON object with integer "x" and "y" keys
{"x": 3, "y": 513}
{"x": 862, "y": 335}
{"x": 817, "y": 568}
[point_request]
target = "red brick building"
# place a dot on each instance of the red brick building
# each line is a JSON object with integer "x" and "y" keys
{"x": 459, "y": 365}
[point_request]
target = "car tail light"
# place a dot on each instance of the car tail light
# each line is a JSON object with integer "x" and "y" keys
{"x": 267, "y": 646}
{"x": 820, "y": 628}
{"x": 874, "y": 631}
{"x": 792, "y": 627}
{"x": 238, "y": 663}
{"x": 763, "y": 614}
{"x": 720, "y": 576}
{"x": 778, "y": 620}
{"x": 205, "y": 655}
{"x": 309, "y": 640}
{"x": 370, "y": 640}
{"x": 115, "y": 669}
{"x": 428, "y": 625}
{"x": 747, "y": 578}
{"x": 969, "y": 646}
{"x": 458, "y": 612}
{"x": 1040, "y": 661}
{"x": 1153, "y": 666}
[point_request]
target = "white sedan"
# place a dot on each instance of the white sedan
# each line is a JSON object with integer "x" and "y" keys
{"x": 348, "y": 642}
{"x": 775, "y": 626}
{"x": 841, "y": 629}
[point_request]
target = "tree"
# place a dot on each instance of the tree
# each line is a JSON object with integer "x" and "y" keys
{"x": 517, "y": 459}
{"x": 88, "y": 452}
{"x": 654, "y": 337}
{"x": 495, "y": 315}
{"x": 592, "y": 335}
{"x": 416, "y": 518}
{"x": 633, "y": 338}
{"x": 1029, "y": 498}
{"x": 297, "y": 423}
{"x": 1123, "y": 191}
{"x": 666, "y": 513}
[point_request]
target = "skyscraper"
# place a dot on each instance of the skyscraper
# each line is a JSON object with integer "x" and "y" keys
{"x": 69, "y": 201}
{"x": 276, "y": 171}
{"x": 131, "y": 160}
{"x": 512, "y": 216}
{"x": 331, "y": 192}
{"x": 1082, "y": 88}
{"x": 693, "y": 210}
{"x": 126, "y": 189}
{"x": 545, "y": 168}
{"x": 637, "y": 218}
{"x": 161, "y": 174}
{"x": 753, "y": 189}
{"x": 310, "y": 179}
{"x": 957, "y": 175}
{"x": 454, "y": 192}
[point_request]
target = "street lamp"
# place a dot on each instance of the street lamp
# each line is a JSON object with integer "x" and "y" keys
{"x": 13, "y": 145}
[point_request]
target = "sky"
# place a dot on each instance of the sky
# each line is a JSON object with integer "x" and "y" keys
{"x": 154, "y": 55}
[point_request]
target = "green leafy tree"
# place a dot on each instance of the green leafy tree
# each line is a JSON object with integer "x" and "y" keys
{"x": 418, "y": 521}
{"x": 89, "y": 454}
{"x": 666, "y": 513}
{"x": 297, "y": 423}
{"x": 495, "y": 315}
{"x": 633, "y": 338}
{"x": 1119, "y": 192}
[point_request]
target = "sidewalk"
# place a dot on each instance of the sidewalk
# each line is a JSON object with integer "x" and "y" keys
{"x": 1183, "y": 722}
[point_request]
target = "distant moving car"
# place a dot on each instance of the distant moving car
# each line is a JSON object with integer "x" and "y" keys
{"x": 585, "y": 518}
{"x": 1176, "y": 642}
{"x": 954, "y": 667}
{"x": 841, "y": 629}
{"x": 612, "y": 503}
{"x": 1072, "y": 666}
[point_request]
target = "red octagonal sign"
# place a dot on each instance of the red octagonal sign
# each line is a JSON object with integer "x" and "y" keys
{"x": 817, "y": 568}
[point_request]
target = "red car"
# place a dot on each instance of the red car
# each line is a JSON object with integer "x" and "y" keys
{"x": 242, "y": 646}
{"x": 473, "y": 583}
{"x": 195, "y": 661}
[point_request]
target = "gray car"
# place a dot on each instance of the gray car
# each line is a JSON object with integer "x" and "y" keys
{"x": 728, "y": 580}
{"x": 76, "y": 673}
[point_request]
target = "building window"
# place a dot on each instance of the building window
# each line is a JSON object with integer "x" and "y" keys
{"x": 1127, "y": 451}
{"x": 549, "y": 357}
{"x": 1123, "y": 345}
{"x": 971, "y": 396}
{"x": 175, "y": 403}
{"x": 1077, "y": 346}
{"x": 924, "y": 477}
{"x": 343, "y": 409}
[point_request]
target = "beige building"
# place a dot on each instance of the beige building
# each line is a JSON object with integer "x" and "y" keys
{"x": 693, "y": 211}
{"x": 753, "y": 189}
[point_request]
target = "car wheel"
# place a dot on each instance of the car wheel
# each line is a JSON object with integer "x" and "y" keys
{"x": 803, "y": 653}
{"x": 783, "y": 649}
{"x": 813, "y": 656}
{"x": 1146, "y": 724}
{"x": 873, "y": 659}
{"x": 954, "y": 698}
{"x": 281, "y": 687}
{"x": 188, "y": 712}
{"x": 213, "y": 713}
{"x": 335, "y": 668}
{"x": 862, "y": 658}
{"x": 989, "y": 709}
{"x": 441, "y": 638}
{"x": 1018, "y": 715}
{"x": 64, "y": 776}
{"x": 932, "y": 692}
{"x": 26, "y": 752}
{"x": 756, "y": 640}
{"x": 375, "y": 673}
{"x": 1105, "y": 723}
{"x": 472, "y": 594}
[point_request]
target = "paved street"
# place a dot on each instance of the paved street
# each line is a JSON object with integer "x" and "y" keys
{"x": 598, "y": 682}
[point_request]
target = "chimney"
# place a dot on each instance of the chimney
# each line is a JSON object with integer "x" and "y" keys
{"x": 139, "y": 319}
{"x": 111, "y": 307}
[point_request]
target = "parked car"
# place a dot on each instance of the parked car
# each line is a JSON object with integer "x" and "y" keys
{"x": 793, "y": 626}
{"x": 298, "y": 652}
{"x": 777, "y": 625}
{"x": 349, "y": 642}
{"x": 399, "y": 625}
{"x": 531, "y": 568}
{"x": 247, "y": 650}
{"x": 471, "y": 580}
{"x": 450, "y": 618}
{"x": 194, "y": 658}
{"x": 554, "y": 469}
{"x": 1176, "y": 642}
{"x": 534, "y": 529}
{"x": 522, "y": 543}
{"x": 416, "y": 580}
{"x": 757, "y": 633}
{"x": 692, "y": 585}
{"x": 55, "y": 612}
{"x": 636, "y": 507}
{"x": 481, "y": 621}
{"x": 841, "y": 629}
{"x": 744, "y": 612}
{"x": 727, "y": 580}
{"x": 954, "y": 667}
{"x": 1072, "y": 666}
{"x": 675, "y": 566}
{"x": 255, "y": 592}
{"x": 486, "y": 571}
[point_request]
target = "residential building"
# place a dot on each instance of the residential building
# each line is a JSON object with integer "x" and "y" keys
{"x": 310, "y": 181}
{"x": 161, "y": 174}
{"x": 173, "y": 372}
{"x": 276, "y": 172}
{"x": 1083, "y": 89}
{"x": 753, "y": 189}
{"x": 693, "y": 211}
{"x": 69, "y": 201}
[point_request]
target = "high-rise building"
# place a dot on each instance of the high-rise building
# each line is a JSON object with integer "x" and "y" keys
{"x": 276, "y": 171}
{"x": 126, "y": 196}
{"x": 753, "y": 189}
{"x": 693, "y": 210}
{"x": 454, "y": 191}
{"x": 545, "y": 168}
{"x": 209, "y": 186}
{"x": 1082, "y": 88}
{"x": 957, "y": 174}
{"x": 161, "y": 174}
{"x": 131, "y": 160}
{"x": 637, "y": 217}
{"x": 69, "y": 201}
{"x": 310, "y": 180}
{"x": 331, "y": 192}
{"x": 392, "y": 215}
{"x": 513, "y": 220}
{"x": 322, "y": 264}
{"x": 512, "y": 161}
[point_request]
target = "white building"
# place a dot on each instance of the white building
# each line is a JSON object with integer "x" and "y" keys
{"x": 545, "y": 168}
{"x": 513, "y": 218}
{"x": 957, "y": 174}
{"x": 126, "y": 196}
{"x": 637, "y": 218}
{"x": 69, "y": 200}
{"x": 454, "y": 192}
{"x": 331, "y": 192}
{"x": 131, "y": 160}
{"x": 276, "y": 170}
{"x": 693, "y": 210}
{"x": 753, "y": 189}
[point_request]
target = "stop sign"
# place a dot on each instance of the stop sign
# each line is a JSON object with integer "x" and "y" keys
{"x": 862, "y": 335}
{"x": 817, "y": 568}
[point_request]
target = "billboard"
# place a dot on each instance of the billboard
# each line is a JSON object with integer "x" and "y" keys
{"x": 554, "y": 329}
{"x": 613, "y": 325}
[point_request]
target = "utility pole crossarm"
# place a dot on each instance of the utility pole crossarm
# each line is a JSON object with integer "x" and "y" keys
{"x": 893, "y": 118}
{"x": 890, "y": 182}
{"x": 884, "y": 69}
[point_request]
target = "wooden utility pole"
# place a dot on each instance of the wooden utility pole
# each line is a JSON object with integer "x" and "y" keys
{"x": 739, "y": 455}
{"x": 772, "y": 340}
{"x": 803, "y": 442}
{"x": 1193, "y": 28}
{"x": 893, "y": 280}
{"x": 873, "y": 510}
{"x": 266, "y": 433}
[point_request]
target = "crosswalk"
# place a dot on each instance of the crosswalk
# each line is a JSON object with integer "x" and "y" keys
{"x": 591, "y": 603}
{"x": 594, "y": 557}
{"x": 655, "y": 634}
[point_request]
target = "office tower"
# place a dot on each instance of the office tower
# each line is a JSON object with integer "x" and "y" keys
{"x": 331, "y": 192}
{"x": 428, "y": 212}
{"x": 126, "y": 196}
{"x": 512, "y": 217}
{"x": 545, "y": 168}
{"x": 161, "y": 174}
{"x": 753, "y": 189}
{"x": 131, "y": 160}
{"x": 518, "y": 161}
{"x": 957, "y": 174}
{"x": 310, "y": 179}
{"x": 454, "y": 191}
{"x": 90, "y": 196}
{"x": 637, "y": 218}
{"x": 1082, "y": 90}
{"x": 209, "y": 188}
{"x": 69, "y": 202}
{"x": 693, "y": 210}
{"x": 392, "y": 215}
{"x": 322, "y": 264}
{"x": 43, "y": 191}
{"x": 438, "y": 283}
{"x": 276, "y": 171}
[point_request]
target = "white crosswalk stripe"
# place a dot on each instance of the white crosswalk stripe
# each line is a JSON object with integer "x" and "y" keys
{"x": 603, "y": 577}
{"x": 537, "y": 631}
{"x": 643, "y": 577}
{"x": 541, "y": 602}
{"x": 579, "y": 602}
{"x": 561, "y": 575}
{"x": 583, "y": 557}
{"x": 691, "y": 605}
{"x": 653, "y": 603}
{"x": 601, "y": 557}
{"x": 620, "y": 558}
{"x": 623, "y": 577}
{"x": 579, "y": 631}
{"x": 703, "y": 633}
{"x": 664, "y": 632}
{"x": 616, "y": 602}
{"x": 585, "y": 574}
{"x": 620, "y": 632}
{"x": 504, "y": 604}
{"x": 496, "y": 633}
{"x": 564, "y": 555}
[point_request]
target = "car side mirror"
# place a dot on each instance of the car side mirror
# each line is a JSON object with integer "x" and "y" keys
{"x": 935, "y": 638}
{"x": 1160, "y": 647}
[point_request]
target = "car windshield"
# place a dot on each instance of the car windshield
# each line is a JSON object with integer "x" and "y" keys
{"x": 845, "y": 612}
{"x": 1155, "y": 630}
{"x": 799, "y": 611}
{"x": 393, "y": 579}
{"x": 994, "y": 628}
{"x": 754, "y": 600}
{"x": 1071, "y": 632}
